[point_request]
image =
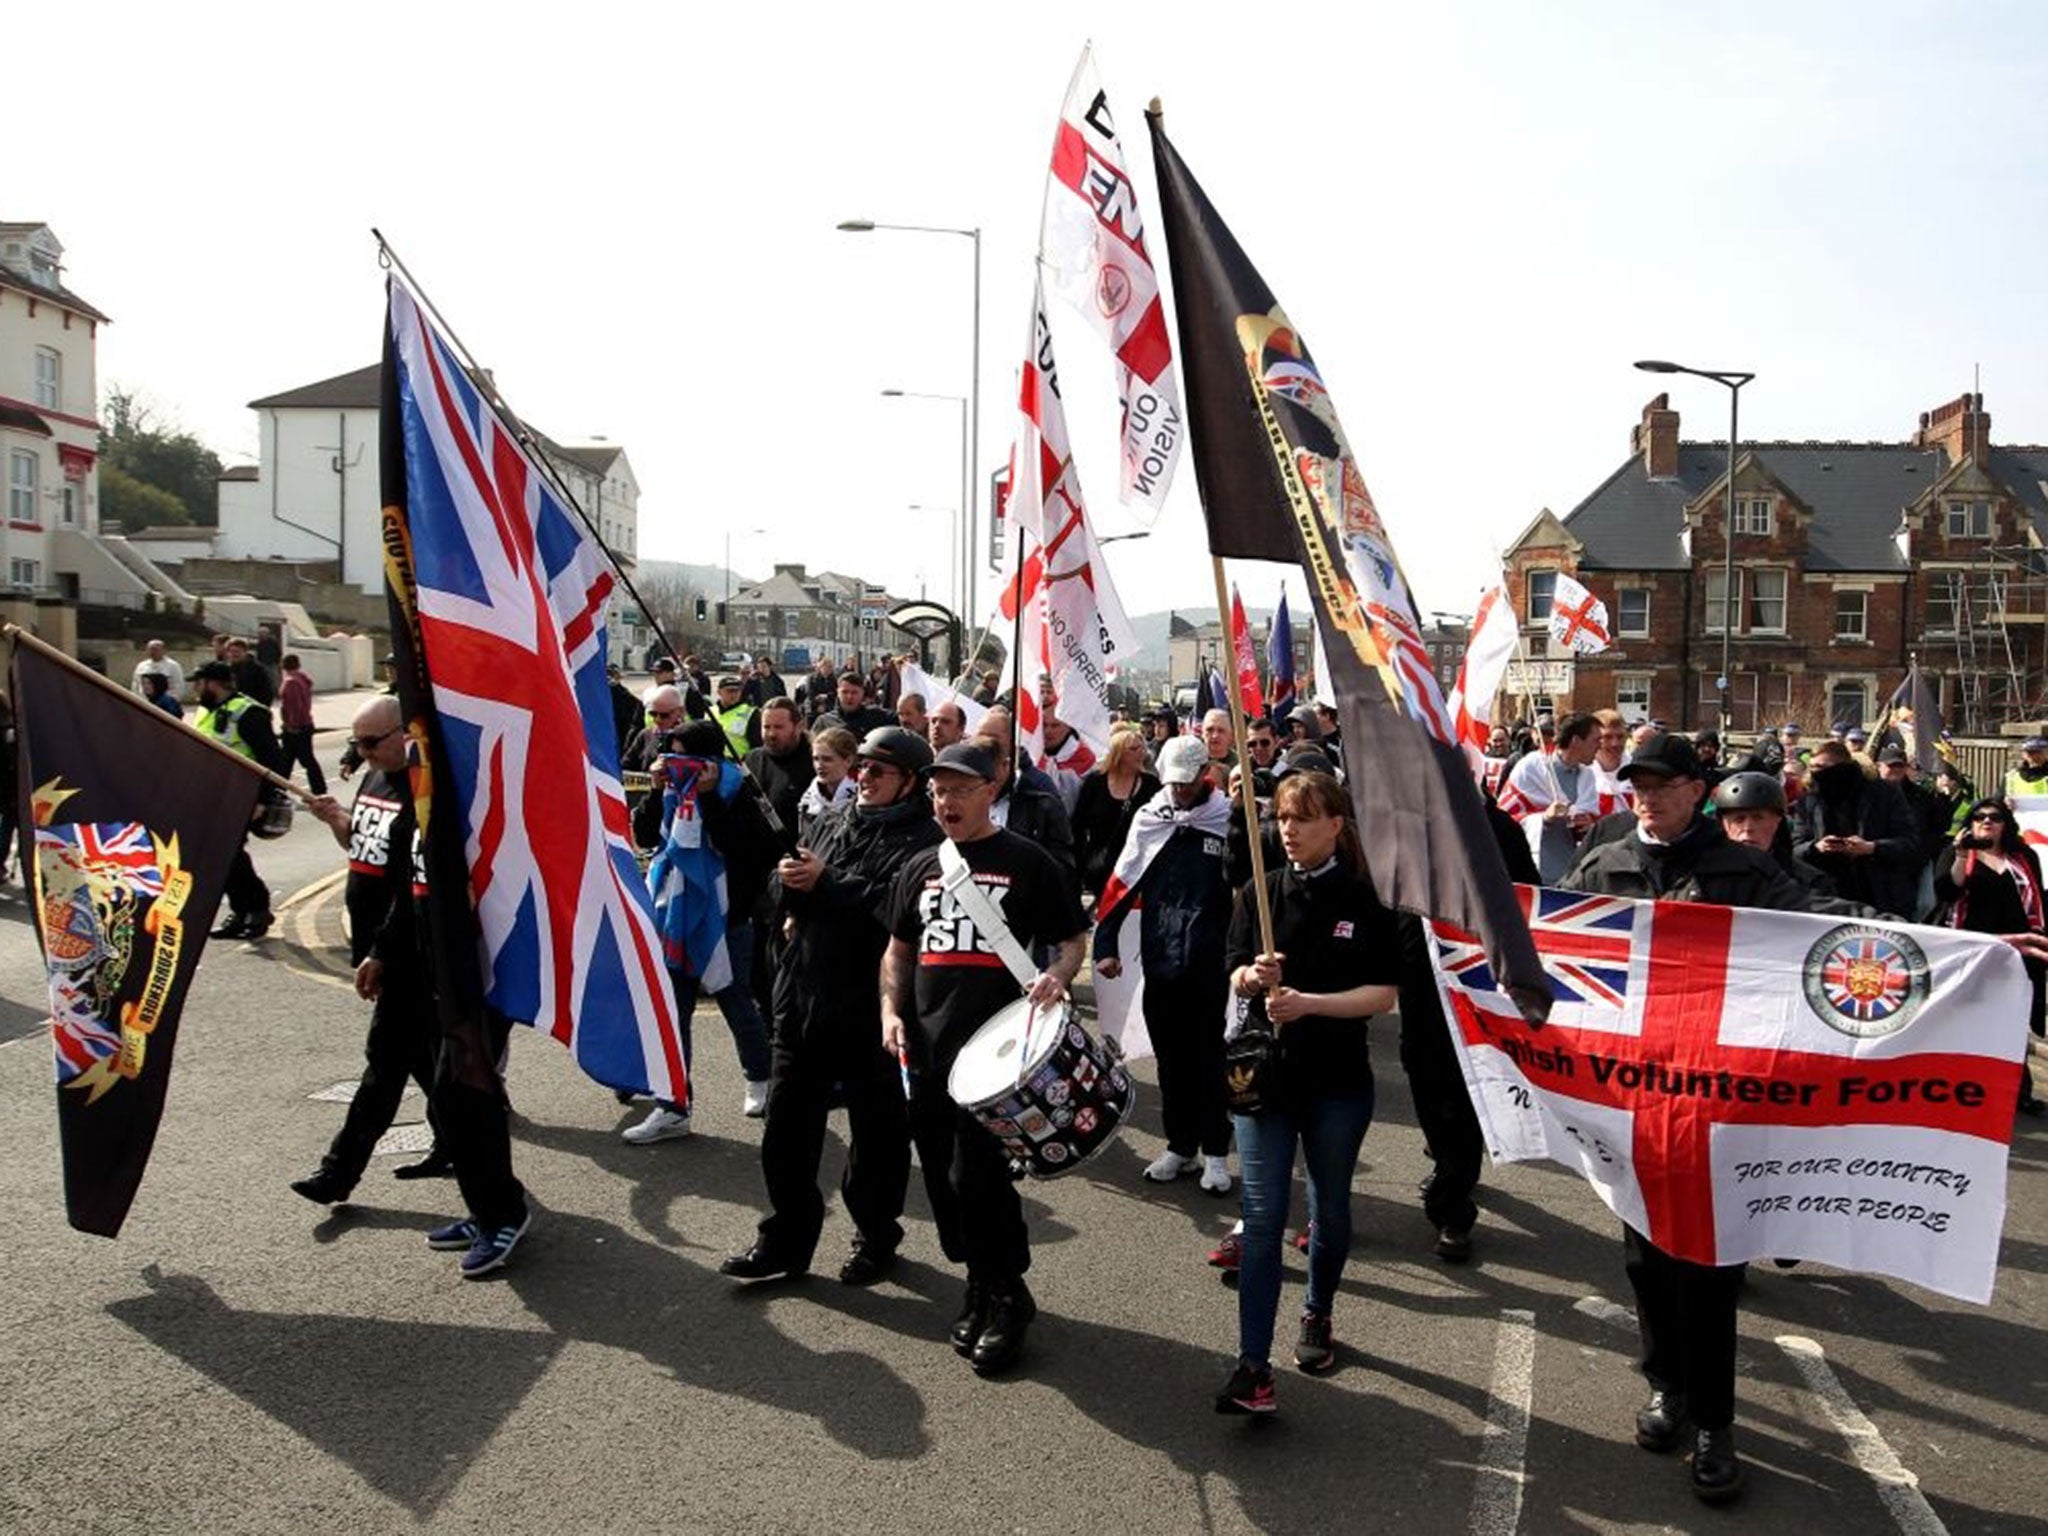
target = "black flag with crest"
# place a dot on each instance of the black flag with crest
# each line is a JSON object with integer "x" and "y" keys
{"x": 129, "y": 823}
{"x": 1278, "y": 481}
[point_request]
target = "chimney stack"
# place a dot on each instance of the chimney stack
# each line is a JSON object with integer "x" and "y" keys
{"x": 1961, "y": 429}
{"x": 1655, "y": 437}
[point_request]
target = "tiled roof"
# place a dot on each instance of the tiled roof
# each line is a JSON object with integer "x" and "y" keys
{"x": 1856, "y": 491}
{"x": 55, "y": 293}
{"x": 360, "y": 390}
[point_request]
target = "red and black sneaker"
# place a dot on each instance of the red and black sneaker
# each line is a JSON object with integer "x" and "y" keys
{"x": 1228, "y": 1254}
{"x": 1303, "y": 1238}
{"x": 1249, "y": 1390}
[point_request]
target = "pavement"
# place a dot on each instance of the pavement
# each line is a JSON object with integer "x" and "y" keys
{"x": 240, "y": 1361}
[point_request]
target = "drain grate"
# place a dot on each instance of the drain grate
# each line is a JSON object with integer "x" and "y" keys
{"x": 345, "y": 1093}
{"x": 411, "y": 1140}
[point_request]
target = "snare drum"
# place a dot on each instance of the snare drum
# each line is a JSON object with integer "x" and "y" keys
{"x": 1068, "y": 1100}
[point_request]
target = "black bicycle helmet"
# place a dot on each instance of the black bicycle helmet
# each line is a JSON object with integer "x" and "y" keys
{"x": 897, "y": 747}
{"x": 1750, "y": 792}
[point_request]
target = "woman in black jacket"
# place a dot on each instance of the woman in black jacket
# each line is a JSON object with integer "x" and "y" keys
{"x": 1989, "y": 881}
{"x": 1110, "y": 796}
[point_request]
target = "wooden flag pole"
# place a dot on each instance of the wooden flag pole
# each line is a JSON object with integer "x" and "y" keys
{"x": 1247, "y": 794}
{"x": 43, "y": 648}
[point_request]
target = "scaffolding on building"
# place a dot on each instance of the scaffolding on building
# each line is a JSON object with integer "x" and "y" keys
{"x": 1990, "y": 652}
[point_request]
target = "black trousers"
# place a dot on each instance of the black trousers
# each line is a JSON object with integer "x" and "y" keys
{"x": 800, "y": 1084}
{"x": 1443, "y": 1109}
{"x": 400, "y": 1044}
{"x": 246, "y": 893}
{"x": 298, "y": 749}
{"x": 1687, "y": 1316}
{"x": 967, "y": 1179}
{"x": 1184, "y": 1016}
{"x": 472, "y": 1118}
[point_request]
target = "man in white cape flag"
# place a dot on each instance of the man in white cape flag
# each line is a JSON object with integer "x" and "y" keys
{"x": 1074, "y": 631}
{"x": 1093, "y": 240}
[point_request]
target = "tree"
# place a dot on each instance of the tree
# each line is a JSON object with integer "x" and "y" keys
{"x": 136, "y": 504}
{"x": 136, "y": 445}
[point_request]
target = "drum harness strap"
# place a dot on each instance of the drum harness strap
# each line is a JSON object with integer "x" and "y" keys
{"x": 958, "y": 882}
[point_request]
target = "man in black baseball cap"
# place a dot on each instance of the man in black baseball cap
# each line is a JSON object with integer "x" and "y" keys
{"x": 1686, "y": 1310}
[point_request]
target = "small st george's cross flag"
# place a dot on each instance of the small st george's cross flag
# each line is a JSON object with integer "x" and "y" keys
{"x": 1577, "y": 618}
{"x": 1741, "y": 1084}
{"x": 129, "y": 824}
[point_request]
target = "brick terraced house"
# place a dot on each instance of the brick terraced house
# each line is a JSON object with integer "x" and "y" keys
{"x": 1851, "y": 560}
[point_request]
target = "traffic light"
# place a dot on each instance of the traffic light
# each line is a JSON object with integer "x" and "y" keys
{"x": 721, "y": 615}
{"x": 703, "y": 610}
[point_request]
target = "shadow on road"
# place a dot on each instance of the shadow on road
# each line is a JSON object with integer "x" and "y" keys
{"x": 407, "y": 1407}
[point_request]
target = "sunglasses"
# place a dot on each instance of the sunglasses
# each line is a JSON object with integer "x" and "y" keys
{"x": 364, "y": 743}
{"x": 1990, "y": 818}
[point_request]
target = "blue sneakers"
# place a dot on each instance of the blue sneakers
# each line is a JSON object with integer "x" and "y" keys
{"x": 453, "y": 1238}
{"x": 493, "y": 1248}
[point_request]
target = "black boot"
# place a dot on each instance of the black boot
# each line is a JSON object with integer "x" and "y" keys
{"x": 1660, "y": 1423}
{"x": 973, "y": 1318}
{"x": 761, "y": 1262}
{"x": 326, "y": 1187}
{"x": 1716, "y": 1471}
{"x": 236, "y": 926}
{"x": 1010, "y": 1310}
{"x": 435, "y": 1165}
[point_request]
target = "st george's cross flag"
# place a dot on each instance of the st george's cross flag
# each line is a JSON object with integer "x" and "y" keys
{"x": 1578, "y": 619}
{"x": 1092, "y": 241}
{"x": 499, "y": 594}
{"x": 1488, "y": 648}
{"x": 1743, "y": 1084}
{"x": 1073, "y": 634}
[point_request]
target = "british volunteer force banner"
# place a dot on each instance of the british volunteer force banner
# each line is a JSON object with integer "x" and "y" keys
{"x": 1743, "y": 1084}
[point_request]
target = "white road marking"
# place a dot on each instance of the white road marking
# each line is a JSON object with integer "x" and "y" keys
{"x": 1497, "y": 1497}
{"x": 1897, "y": 1488}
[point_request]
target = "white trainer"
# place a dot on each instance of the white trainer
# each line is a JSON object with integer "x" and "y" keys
{"x": 661, "y": 1124}
{"x": 1168, "y": 1166}
{"x": 1216, "y": 1175}
{"x": 757, "y": 1100}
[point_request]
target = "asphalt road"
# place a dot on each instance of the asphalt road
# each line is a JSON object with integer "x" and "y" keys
{"x": 238, "y": 1361}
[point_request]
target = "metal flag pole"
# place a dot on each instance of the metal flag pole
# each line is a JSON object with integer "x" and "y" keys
{"x": 525, "y": 436}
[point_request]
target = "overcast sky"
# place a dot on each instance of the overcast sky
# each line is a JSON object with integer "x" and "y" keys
{"x": 1476, "y": 215}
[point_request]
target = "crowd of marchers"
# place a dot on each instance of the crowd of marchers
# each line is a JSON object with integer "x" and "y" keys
{"x": 800, "y": 839}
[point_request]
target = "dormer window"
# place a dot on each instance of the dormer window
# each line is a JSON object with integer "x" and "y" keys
{"x": 1968, "y": 519}
{"x": 1753, "y": 515}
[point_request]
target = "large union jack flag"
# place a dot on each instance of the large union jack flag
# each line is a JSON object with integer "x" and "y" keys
{"x": 512, "y": 595}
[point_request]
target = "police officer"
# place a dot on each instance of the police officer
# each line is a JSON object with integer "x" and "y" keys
{"x": 831, "y": 896}
{"x": 244, "y": 726}
{"x": 736, "y": 717}
{"x": 1685, "y": 1310}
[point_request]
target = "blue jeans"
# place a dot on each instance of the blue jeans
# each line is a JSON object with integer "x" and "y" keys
{"x": 1330, "y": 1131}
{"x": 736, "y": 1002}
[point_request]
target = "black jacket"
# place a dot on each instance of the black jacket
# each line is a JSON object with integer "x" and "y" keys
{"x": 782, "y": 779}
{"x": 1041, "y": 816}
{"x": 1100, "y": 823}
{"x": 829, "y": 980}
{"x": 860, "y": 722}
{"x": 739, "y": 830}
{"x": 1701, "y": 866}
{"x": 1886, "y": 879}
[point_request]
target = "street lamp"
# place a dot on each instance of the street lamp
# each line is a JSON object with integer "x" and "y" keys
{"x": 960, "y": 595}
{"x": 952, "y": 545}
{"x": 1731, "y": 380}
{"x": 970, "y": 499}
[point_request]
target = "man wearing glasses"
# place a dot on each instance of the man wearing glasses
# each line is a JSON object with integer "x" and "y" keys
{"x": 401, "y": 1040}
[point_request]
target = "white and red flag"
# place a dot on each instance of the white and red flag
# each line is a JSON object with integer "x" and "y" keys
{"x": 1092, "y": 238}
{"x": 1074, "y": 632}
{"x": 1249, "y": 695}
{"x": 1745, "y": 1084}
{"x": 1578, "y": 619}
{"x": 1488, "y": 649}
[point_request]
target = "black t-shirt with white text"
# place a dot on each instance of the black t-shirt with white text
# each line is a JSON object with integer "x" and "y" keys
{"x": 961, "y": 982}
{"x": 380, "y": 806}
